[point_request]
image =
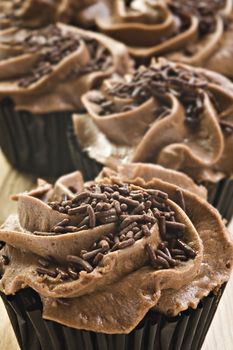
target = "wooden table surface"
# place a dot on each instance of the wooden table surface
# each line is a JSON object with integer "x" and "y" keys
{"x": 220, "y": 335}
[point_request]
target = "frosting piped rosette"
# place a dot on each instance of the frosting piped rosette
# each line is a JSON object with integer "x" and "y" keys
{"x": 188, "y": 31}
{"x": 52, "y": 62}
{"x": 114, "y": 244}
{"x": 213, "y": 272}
{"x": 167, "y": 113}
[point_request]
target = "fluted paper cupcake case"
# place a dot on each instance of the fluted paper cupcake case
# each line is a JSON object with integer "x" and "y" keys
{"x": 220, "y": 194}
{"x": 89, "y": 167}
{"x": 36, "y": 144}
{"x": 186, "y": 331}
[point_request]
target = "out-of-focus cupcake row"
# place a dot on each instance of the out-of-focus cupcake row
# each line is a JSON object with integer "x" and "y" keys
{"x": 58, "y": 112}
{"x": 195, "y": 33}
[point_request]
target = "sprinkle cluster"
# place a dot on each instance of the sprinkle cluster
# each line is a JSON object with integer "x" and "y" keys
{"x": 134, "y": 211}
{"x": 154, "y": 81}
{"x": 205, "y": 10}
{"x": 54, "y": 45}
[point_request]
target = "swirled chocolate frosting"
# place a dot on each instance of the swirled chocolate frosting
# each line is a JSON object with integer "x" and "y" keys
{"x": 102, "y": 254}
{"x": 33, "y": 13}
{"x": 170, "y": 114}
{"x": 57, "y": 63}
{"x": 188, "y": 31}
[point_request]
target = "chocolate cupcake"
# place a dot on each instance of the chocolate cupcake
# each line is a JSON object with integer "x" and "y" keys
{"x": 44, "y": 72}
{"x": 170, "y": 114}
{"x": 33, "y": 13}
{"x": 187, "y": 31}
{"x": 118, "y": 263}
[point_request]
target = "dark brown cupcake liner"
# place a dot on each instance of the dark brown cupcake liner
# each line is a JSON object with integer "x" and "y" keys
{"x": 89, "y": 167}
{"x": 220, "y": 195}
{"x": 36, "y": 144}
{"x": 186, "y": 331}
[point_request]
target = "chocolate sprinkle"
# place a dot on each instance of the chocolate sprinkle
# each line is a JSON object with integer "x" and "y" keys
{"x": 162, "y": 263}
{"x": 152, "y": 255}
{"x": 162, "y": 227}
{"x": 64, "y": 275}
{"x": 72, "y": 273}
{"x": 45, "y": 271}
{"x": 167, "y": 257}
{"x": 92, "y": 254}
{"x": 64, "y": 222}
{"x": 43, "y": 262}
{"x": 79, "y": 261}
{"x": 172, "y": 226}
{"x": 187, "y": 249}
{"x": 92, "y": 218}
{"x": 126, "y": 243}
{"x": 97, "y": 259}
{"x": 181, "y": 200}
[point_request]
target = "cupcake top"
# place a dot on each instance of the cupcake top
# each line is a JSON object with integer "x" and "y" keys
{"x": 102, "y": 254}
{"x": 168, "y": 113}
{"x": 184, "y": 30}
{"x": 32, "y": 13}
{"x": 57, "y": 63}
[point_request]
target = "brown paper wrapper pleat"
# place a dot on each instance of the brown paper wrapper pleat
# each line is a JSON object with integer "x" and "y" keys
{"x": 81, "y": 161}
{"x": 36, "y": 144}
{"x": 220, "y": 195}
{"x": 186, "y": 331}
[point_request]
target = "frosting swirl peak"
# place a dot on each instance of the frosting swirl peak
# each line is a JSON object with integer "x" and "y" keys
{"x": 167, "y": 113}
{"x": 55, "y": 61}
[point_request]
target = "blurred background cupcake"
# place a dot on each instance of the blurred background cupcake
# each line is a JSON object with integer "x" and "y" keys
{"x": 44, "y": 72}
{"x": 33, "y": 13}
{"x": 192, "y": 32}
{"x": 169, "y": 114}
{"x": 118, "y": 263}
